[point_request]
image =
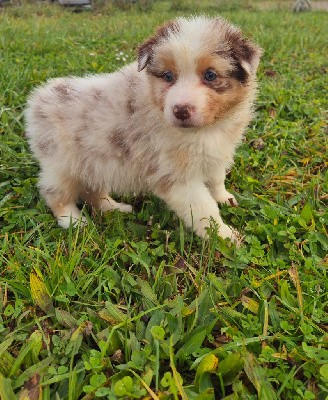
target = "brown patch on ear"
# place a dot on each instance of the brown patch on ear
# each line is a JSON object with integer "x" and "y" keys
{"x": 243, "y": 52}
{"x": 145, "y": 50}
{"x": 242, "y": 49}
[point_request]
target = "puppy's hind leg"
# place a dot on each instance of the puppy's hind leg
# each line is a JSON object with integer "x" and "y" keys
{"x": 104, "y": 202}
{"x": 61, "y": 194}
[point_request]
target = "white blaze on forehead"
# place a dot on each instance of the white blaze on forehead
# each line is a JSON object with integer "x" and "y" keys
{"x": 203, "y": 34}
{"x": 194, "y": 38}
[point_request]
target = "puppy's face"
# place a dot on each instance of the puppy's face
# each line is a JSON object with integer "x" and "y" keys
{"x": 199, "y": 69}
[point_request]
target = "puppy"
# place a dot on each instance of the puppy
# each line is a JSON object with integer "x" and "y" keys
{"x": 168, "y": 124}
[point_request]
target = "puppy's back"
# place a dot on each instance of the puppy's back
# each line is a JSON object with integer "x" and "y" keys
{"x": 73, "y": 100}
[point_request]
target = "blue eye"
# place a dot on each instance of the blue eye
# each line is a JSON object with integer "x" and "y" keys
{"x": 210, "y": 75}
{"x": 168, "y": 77}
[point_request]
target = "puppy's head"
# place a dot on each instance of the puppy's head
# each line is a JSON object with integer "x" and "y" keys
{"x": 200, "y": 69}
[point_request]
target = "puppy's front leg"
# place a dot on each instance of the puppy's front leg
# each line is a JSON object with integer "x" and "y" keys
{"x": 218, "y": 190}
{"x": 195, "y": 205}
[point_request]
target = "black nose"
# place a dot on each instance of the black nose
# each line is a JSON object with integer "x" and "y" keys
{"x": 182, "y": 112}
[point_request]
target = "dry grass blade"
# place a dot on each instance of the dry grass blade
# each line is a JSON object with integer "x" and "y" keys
{"x": 40, "y": 292}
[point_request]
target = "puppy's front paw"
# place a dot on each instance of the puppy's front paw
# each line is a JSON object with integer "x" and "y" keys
{"x": 66, "y": 220}
{"x": 226, "y": 198}
{"x": 224, "y": 231}
{"x": 228, "y": 233}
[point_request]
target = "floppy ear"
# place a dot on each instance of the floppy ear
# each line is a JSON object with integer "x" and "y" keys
{"x": 245, "y": 53}
{"x": 248, "y": 55}
{"x": 145, "y": 50}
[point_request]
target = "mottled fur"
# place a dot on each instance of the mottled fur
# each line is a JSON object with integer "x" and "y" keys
{"x": 134, "y": 131}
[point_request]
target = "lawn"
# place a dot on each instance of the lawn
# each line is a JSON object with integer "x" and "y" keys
{"x": 135, "y": 306}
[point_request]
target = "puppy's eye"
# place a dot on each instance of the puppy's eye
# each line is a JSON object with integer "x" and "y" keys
{"x": 168, "y": 77}
{"x": 210, "y": 75}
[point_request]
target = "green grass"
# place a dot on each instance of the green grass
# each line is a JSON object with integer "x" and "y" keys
{"x": 135, "y": 305}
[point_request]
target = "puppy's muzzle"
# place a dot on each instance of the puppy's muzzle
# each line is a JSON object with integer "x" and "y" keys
{"x": 183, "y": 112}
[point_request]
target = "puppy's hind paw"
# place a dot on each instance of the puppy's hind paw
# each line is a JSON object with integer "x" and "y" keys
{"x": 109, "y": 204}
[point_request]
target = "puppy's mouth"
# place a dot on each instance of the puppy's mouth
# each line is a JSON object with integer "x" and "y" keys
{"x": 184, "y": 116}
{"x": 185, "y": 124}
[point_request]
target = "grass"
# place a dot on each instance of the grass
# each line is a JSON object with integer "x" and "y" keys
{"x": 135, "y": 306}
